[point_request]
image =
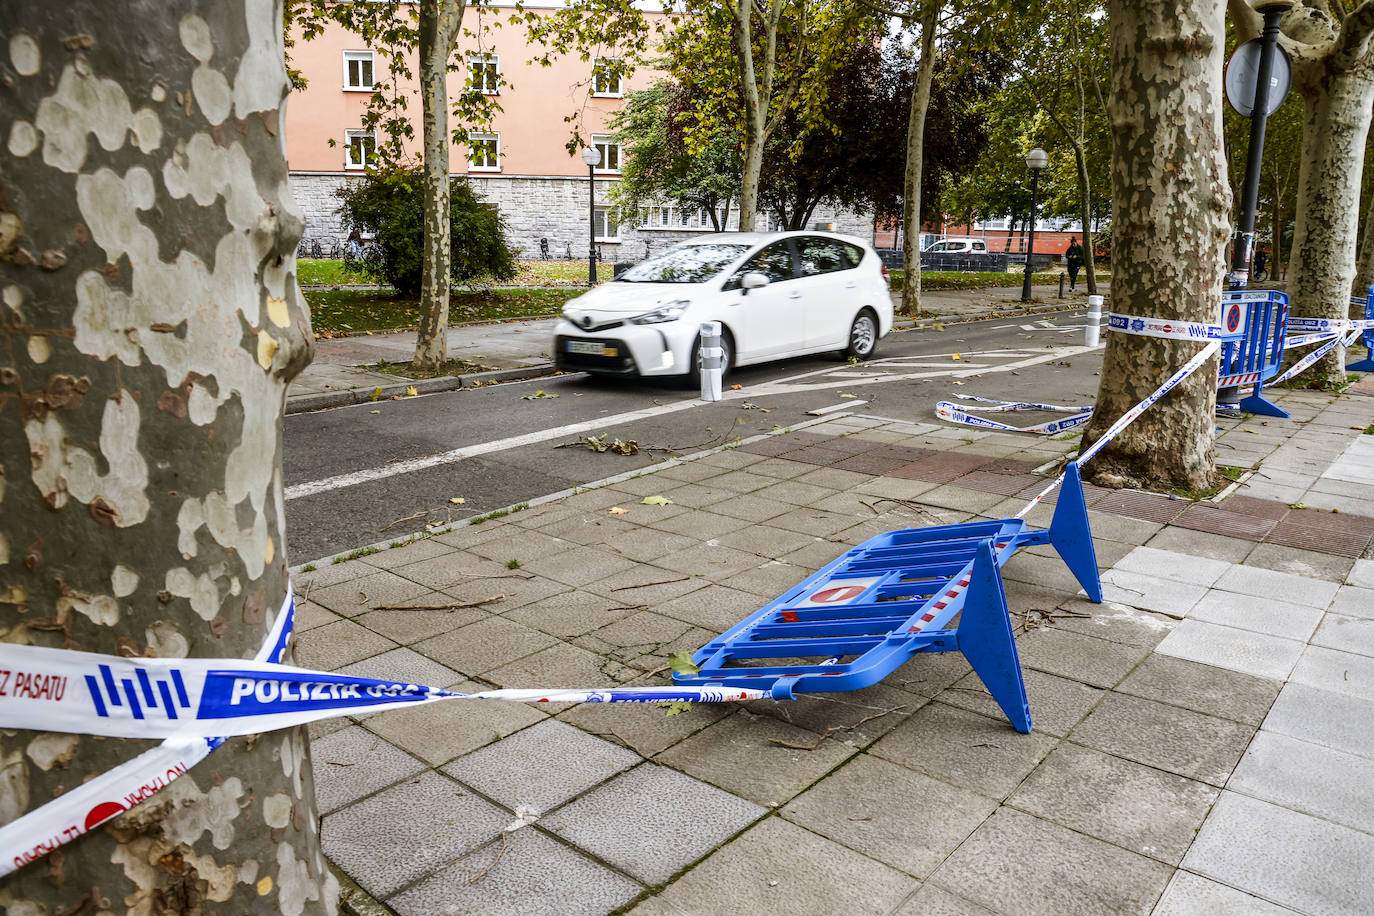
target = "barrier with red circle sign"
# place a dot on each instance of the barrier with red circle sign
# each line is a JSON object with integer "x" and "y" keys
{"x": 1252, "y": 323}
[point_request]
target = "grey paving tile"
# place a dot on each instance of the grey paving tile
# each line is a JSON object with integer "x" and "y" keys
{"x": 1349, "y": 634}
{"x": 359, "y": 594}
{"x": 1114, "y": 622}
{"x": 1277, "y": 618}
{"x": 652, "y": 821}
{"x": 330, "y": 574}
{"x": 646, "y": 729}
{"x": 542, "y": 766}
{"x": 1189, "y": 894}
{"x": 866, "y": 806}
{"x": 1335, "y": 720}
{"x": 1265, "y": 583}
{"x": 438, "y": 732}
{"x": 329, "y": 647}
{"x": 1123, "y": 528}
{"x": 580, "y": 566}
{"x": 929, "y": 900}
{"x": 353, "y": 762}
{"x": 535, "y": 876}
{"x": 1099, "y": 662}
{"x": 1362, "y": 574}
{"x": 985, "y": 755}
{"x": 762, "y": 872}
{"x": 310, "y": 615}
{"x": 744, "y": 754}
{"x": 1177, "y": 740}
{"x": 644, "y": 545}
{"x": 1057, "y": 704}
{"x": 711, "y": 561}
{"x": 1336, "y": 671}
{"x": 448, "y": 569}
{"x": 411, "y": 626}
{"x": 1317, "y": 780}
{"x": 796, "y": 493}
{"x": 644, "y": 584}
{"x": 715, "y": 607}
{"x": 1202, "y": 688}
{"x": 503, "y": 592}
{"x": 1169, "y": 564}
{"x": 1256, "y": 654}
{"x": 1152, "y": 593}
{"x": 856, "y": 718}
{"x": 405, "y": 666}
{"x": 484, "y": 645}
{"x": 1202, "y": 544}
{"x": 431, "y": 819}
{"x": 1070, "y": 872}
{"x": 570, "y": 614}
{"x": 1299, "y": 562}
{"x": 1249, "y": 844}
{"x": 1354, "y": 601}
{"x": 1143, "y": 809}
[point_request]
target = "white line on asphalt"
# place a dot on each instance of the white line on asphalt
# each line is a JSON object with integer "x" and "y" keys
{"x": 843, "y": 405}
{"x": 780, "y": 386}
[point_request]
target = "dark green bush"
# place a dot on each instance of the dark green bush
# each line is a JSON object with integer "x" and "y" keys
{"x": 390, "y": 202}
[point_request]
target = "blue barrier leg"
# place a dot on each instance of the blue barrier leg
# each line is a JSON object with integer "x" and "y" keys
{"x": 1364, "y": 365}
{"x": 1072, "y": 536}
{"x": 1256, "y": 403}
{"x": 984, "y": 636}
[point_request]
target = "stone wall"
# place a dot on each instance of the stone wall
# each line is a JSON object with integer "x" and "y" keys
{"x": 535, "y": 209}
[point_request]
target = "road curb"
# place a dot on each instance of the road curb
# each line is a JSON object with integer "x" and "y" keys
{"x": 326, "y": 400}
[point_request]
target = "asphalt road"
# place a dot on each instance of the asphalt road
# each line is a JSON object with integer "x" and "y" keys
{"x": 381, "y": 471}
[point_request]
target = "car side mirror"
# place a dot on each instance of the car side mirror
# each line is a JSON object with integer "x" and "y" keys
{"x": 753, "y": 280}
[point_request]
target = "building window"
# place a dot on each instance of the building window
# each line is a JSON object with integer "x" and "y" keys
{"x": 606, "y": 78}
{"x": 484, "y": 73}
{"x": 609, "y": 148}
{"x": 667, "y": 217}
{"x": 606, "y": 223}
{"x": 360, "y": 149}
{"x": 484, "y": 152}
{"x": 358, "y": 71}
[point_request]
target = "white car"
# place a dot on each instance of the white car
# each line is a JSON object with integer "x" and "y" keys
{"x": 958, "y": 246}
{"x": 777, "y": 295}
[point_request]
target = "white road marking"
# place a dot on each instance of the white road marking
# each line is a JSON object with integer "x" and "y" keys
{"x": 843, "y": 405}
{"x": 793, "y": 385}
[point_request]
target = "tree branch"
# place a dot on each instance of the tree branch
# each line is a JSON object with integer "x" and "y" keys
{"x": 1353, "y": 43}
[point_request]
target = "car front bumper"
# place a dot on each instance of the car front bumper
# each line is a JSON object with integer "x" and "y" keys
{"x": 622, "y": 348}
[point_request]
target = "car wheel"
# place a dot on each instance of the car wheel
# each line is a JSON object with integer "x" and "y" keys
{"x": 863, "y": 336}
{"x": 727, "y": 347}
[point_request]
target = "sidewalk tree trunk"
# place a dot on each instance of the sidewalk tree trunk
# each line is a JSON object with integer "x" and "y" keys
{"x": 915, "y": 146}
{"x": 1333, "y": 72}
{"x": 151, "y": 323}
{"x": 1170, "y": 207}
{"x": 439, "y": 23}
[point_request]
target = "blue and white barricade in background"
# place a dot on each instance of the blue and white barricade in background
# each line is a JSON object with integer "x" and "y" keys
{"x": 1366, "y": 364}
{"x": 1253, "y": 324}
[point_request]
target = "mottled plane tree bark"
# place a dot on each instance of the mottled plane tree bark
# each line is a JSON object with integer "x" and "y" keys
{"x": 149, "y": 325}
{"x": 915, "y": 149}
{"x": 1170, "y": 206}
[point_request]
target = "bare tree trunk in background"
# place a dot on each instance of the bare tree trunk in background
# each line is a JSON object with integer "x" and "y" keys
{"x": 915, "y": 154}
{"x": 1364, "y": 264}
{"x": 151, "y": 322}
{"x": 439, "y": 24}
{"x": 1276, "y": 221}
{"x": 1170, "y": 206}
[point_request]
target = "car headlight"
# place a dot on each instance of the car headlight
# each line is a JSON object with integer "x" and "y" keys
{"x": 670, "y": 312}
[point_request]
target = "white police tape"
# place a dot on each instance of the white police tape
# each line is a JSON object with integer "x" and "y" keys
{"x": 1166, "y": 328}
{"x": 1128, "y": 417}
{"x": 958, "y": 413}
{"x": 83, "y": 808}
{"x": 194, "y": 703}
{"x": 1326, "y": 325}
{"x": 1315, "y": 355}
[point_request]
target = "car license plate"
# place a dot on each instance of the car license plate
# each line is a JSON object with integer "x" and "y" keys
{"x": 591, "y": 347}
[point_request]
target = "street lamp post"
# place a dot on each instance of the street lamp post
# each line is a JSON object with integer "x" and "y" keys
{"x": 592, "y": 156}
{"x": 1036, "y": 160}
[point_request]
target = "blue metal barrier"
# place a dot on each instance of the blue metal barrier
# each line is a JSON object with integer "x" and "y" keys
{"x": 1252, "y": 323}
{"x": 1366, "y": 364}
{"x": 866, "y": 614}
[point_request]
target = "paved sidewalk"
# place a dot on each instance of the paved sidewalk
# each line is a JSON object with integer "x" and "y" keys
{"x": 521, "y": 349}
{"x": 1202, "y": 738}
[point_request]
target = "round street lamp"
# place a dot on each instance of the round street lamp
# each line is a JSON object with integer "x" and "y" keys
{"x": 592, "y": 156}
{"x": 1036, "y": 160}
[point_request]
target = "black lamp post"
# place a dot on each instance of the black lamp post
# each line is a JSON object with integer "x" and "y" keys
{"x": 592, "y": 156}
{"x": 1036, "y": 160}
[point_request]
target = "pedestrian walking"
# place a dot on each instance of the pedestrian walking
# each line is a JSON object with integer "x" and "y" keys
{"x": 1074, "y": 258}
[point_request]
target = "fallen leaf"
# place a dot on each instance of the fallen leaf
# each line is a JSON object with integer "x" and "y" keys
{"x": 681, "y": 663}
{"x": 374, "y": 411}
{"x": 411, "y": 391}
{"x": 956, "y": 383}
{"x": 656, "y": 501}
{"x": 938, "y": 326}
{"x": 846, "y": 395}
{"x": 1297, "y": 505}
{"x": 376, "y": 393}
{"x": 616, "y": 510}
{"x": 736, "y": 387}
{"x": 541, "y": 393}
{"x": 955, "y": 357}
{"x": 457, "y": 500}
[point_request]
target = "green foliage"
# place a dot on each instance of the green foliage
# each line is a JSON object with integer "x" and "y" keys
{"x": 968, "y": 279}
{"x": 681, "y": 663}
{"x": 340, "y": 312}
{"x": 330, "y": 272}
{"x": 512, "y": 564}
{"x": 391, "y": 203}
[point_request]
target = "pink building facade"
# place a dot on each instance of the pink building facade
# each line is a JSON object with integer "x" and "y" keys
{"x": 519, "y": 162}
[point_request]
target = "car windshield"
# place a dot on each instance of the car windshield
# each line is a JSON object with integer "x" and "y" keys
{"x": 689, "y": 264}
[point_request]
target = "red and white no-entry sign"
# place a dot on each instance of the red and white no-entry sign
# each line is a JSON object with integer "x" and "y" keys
{"x": 837, "y": 591}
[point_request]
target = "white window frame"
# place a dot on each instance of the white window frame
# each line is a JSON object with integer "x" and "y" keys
{"x": 351, "y": 56}
{"x": 479, "y": 60}
{"x": 603, "y": 214}
{"x": 349, "y": 137}
{"x": 618, "y": 92}
{"x": 484, "y": 135}
{"x": 603, "y": 143}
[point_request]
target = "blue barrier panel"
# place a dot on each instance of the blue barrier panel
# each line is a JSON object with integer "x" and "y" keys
{"x": 867, "y": 613}
{"x": 1252, "y": 324}
{"x": 1366, "y": 364}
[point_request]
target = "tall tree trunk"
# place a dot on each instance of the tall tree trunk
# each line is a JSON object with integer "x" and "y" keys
{"x": 439, "y": 23}
{"x": 1336, "y": 116}
{"x": 1364, "y": 271}
{"x": 151, "y": 323}
{"x": 1276, "y": 231}
{"x": 755, "y": 115}
{"x": 1170, "y": 207}
{"x": 915, "y": 149}
{"x": 1085, "y": 216}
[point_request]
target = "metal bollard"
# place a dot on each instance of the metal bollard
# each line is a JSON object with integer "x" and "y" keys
{"x": 1094, "y": 328}
{"x": 712, "y": 366}
{"x": 1061, "y": 286}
